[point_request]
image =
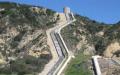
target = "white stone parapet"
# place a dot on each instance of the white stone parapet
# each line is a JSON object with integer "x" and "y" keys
{"x": 96, "y": 64}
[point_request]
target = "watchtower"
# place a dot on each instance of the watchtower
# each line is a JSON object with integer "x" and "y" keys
{"x": 68, "y": 14}
{"x": 66, "y": 10}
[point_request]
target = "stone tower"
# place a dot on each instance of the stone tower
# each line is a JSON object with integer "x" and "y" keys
{"x": 66, "y": 10}
{"x": 68, "y": 14}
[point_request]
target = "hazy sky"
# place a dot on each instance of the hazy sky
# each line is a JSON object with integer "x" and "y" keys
{"x": 107, "y": 11}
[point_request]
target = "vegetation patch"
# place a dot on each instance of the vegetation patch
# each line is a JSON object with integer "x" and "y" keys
{"x": 78, "y": 66}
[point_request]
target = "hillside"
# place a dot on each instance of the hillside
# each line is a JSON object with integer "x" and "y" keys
{"x": 23, "y": 39}
{"x": 23, "y": 43}
{"x": 90, "y": 35}
{"x": 86, "y": 38}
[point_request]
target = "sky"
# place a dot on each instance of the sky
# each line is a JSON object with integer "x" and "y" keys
{"x": 107, "y": 11}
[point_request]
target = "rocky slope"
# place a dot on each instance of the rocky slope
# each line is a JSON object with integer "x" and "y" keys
{"x": 23, "y": 46}
{"x": 86, "y": 38}
{"x": 92, "y": 37}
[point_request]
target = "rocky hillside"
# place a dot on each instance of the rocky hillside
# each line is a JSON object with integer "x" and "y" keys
{"x": 92, "y": 37}
{"x": 23, "y": 47}
{"x": 86, "y": 38}
{"x": 23, "y": 43}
